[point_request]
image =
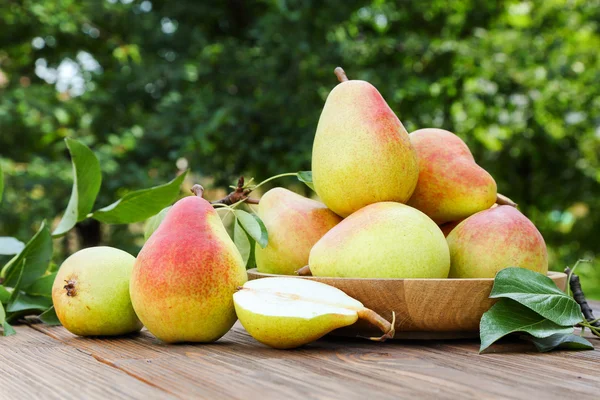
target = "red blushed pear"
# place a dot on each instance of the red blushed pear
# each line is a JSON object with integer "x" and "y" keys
{"x": 494, "y": 239}
{"x": 184, "y": 277}
{"x": 361, "y": 152}
{"x": 295, "y": 224}
{"x": 451, "y": 185}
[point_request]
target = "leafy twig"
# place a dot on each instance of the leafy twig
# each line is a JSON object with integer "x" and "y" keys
{"x": 240, "y": 193}
{"x": 579, "y": 297}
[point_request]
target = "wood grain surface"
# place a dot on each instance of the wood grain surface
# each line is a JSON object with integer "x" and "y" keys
{"x": 425, "y": 308}
{"x": 48, "y": 362}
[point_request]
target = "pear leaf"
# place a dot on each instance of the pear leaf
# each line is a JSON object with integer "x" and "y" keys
{"x": 563, "y": 341}
{"x": 25, "y": 302}
{"x": 141, "y": 204}
{"x": 508, "y": 316}
{"x": 49, "y": 317}
{"x": 4, "y": 294}
{"x": 240, "y": 238}
{"x": 1, "y": 182}
{"x": 153, "y": 222}
{"x": 306, "y": 177}
{"x": 42, "y": 286}
{"x": 538, "y": 293}
{"x": 87, "y": 178}
{"x": 254, "y": 226}
{"x": 7, "y": 329}
{"x": 10, "y": 246}
{"x": 37, "y": 254}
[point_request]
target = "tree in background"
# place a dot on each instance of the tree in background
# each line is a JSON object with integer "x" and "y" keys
{"x": 236, "y": 87}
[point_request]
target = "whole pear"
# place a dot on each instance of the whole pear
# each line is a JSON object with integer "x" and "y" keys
{"x": 495, "y": 239}
{"x": 294, "y": 224}
{"x": 361, "y": 152}
{"x": 185, "y": 275}
{"x": 288, "y": 312}
{"x": 382, "y": 240}
{"x": 451, "y": 185}
{"x": 91, "y": 293}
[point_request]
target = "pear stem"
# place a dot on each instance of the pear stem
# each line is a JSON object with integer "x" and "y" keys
{"x": 502, "y": 200}
{"x": 304, "y": 271}
{"x": 198, "y": 190}
{"x": 579, "y": 297}
{"x": 341, "y": 74}
{"x": 386, "y": 327}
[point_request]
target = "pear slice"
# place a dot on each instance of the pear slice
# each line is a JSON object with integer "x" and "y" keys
{"x": 289, "y": 312}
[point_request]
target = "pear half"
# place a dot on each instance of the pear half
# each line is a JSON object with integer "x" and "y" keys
{"x": 285, "y": 313}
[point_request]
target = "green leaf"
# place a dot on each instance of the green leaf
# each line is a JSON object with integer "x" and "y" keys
{"x": 141, "y": 204}
{"x": 240, "y": 238}
{"x": 87, "y": 179}
{"x": 10, "y": 246}
{"x": 7, "y": 329}
{"x": 537, "y": 292}
{"x": 37, "y": 252}
{"x": 306, "y": 177}
{"x": 1, "y": 183}
{"x": 4, "y": 294}
{"x": 508, "y": 316}
{"x": 153, "y": 222}
{"x": 42, "y": 286}
{"x": 254, "y": 226}
{"x": 49, "y": 317}
{"x": 25, "y": 302}
{"x": 18, "y": 272}
{"x": 563, "y": 341}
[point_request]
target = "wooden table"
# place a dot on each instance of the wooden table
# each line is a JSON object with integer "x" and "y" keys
{"x": 43, "y": 362}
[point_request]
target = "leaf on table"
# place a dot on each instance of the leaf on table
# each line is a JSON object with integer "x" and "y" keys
{"x": 508, "y": 316}
{"x": 10, "y": 246}
{"x": 563, "y": 341}
{"x": 240, "y": 238}
{"x": 254, "y": 226}
{"x": 7, "y": 329}
{"x": 306, "y": 177}
{"x": 37, "y": 253}
{"x": 49, "y": 317}
{"x": 87, "y": 178}
{"x": 141, "y": 204}
{"x": 25, "y": 302}
{"x": 42, "y": 286}
{"x": 537, "y": 292}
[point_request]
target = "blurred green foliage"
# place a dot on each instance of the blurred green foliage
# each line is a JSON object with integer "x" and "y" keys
{"x": 236, "y": 86}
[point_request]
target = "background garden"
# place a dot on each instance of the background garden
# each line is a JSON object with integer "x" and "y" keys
{"x": 229, "y": 88}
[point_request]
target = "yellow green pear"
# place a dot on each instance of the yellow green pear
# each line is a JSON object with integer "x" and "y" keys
{"x": 382, "y": 240}
{"x": 451, "y": 185}
{"x": 494, "y": 239}
{"x": 294, "y": 224}
{"x": 185, "y": 275}
{"x": 91, "y": 293}
{"x": 361, "y": 153}
{"x": 289, "y": 312}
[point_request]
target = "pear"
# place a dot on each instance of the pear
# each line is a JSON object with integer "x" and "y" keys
{"x": 495, "y": 239}
{"x": 451, "y": 185}
{"x": 185, "y": 275}
{"x": 91, "y": 293}
{"x": 382, "y": 240}
{"x": 361, "y": 153}
{"x": 289, "y": 312}
{"x": 295, "y": 224}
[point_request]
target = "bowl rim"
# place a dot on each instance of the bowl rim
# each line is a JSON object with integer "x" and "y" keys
{"x": 550, "y": 274}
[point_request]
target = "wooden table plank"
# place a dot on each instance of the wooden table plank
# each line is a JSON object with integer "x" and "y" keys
{"x": 239, "y": 367}
{"x": 34, "y": 365}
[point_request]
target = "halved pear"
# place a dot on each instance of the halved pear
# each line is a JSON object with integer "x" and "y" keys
{"x": 289, "y": 312}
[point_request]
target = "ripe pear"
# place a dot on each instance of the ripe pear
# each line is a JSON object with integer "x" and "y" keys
{"x": 495, "y": 239}
{"x": 288, "y": 312}
{"x": 91, "y": 293}
{"x": 451, "y": 185}
{"x": 185, "y": 275}
{"x": 382, "y": 240}
{"x": 361, "y": 153}
{"x": 295, "y": 224}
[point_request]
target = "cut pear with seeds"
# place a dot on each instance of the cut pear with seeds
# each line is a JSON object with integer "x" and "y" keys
{"x": 289, "y": 312}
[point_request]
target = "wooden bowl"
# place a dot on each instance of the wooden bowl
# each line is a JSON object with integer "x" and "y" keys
{"x": 425, "y": 308}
